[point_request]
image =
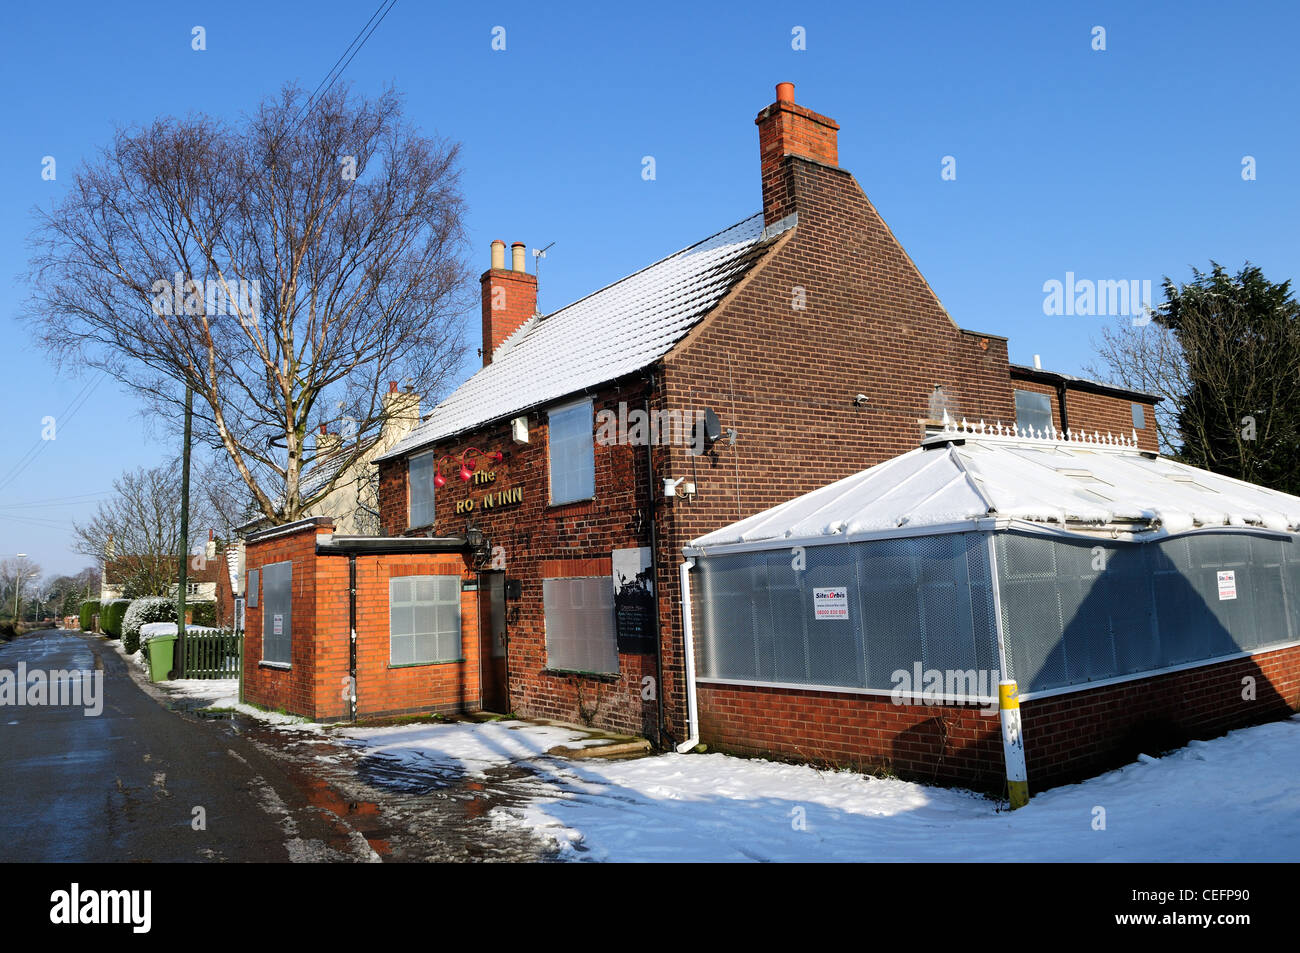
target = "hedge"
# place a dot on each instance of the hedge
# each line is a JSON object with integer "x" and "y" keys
{"x": 111, "y": 615}
{"x": 88, "y": 611}
{"x": 148, "y": 609}
{"x": 205, "y": 613}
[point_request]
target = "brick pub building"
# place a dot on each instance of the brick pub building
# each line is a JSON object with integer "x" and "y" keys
{"x": 785, "y": 352}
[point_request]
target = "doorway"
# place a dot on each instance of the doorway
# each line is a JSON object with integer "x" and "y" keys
{"x": 492, "y": 641}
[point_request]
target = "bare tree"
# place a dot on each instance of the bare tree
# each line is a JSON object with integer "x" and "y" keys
{"x": 284, "y": 269}
{"x": 19, "y": 576}
{"x": 1147, "y": 358}
{"x": 135, "y": 533}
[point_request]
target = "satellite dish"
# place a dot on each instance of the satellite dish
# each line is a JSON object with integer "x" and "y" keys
{"x": 712, "y": 430}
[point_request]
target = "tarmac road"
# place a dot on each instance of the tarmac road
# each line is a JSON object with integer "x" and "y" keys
{"x": 123, "y": 785}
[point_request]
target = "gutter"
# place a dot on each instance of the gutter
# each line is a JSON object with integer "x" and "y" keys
{"x": 380, "y": 545}
{"x": 688, "y": 637}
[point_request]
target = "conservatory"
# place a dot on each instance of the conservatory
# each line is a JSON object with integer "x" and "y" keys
{"x": 1064, "y": 562}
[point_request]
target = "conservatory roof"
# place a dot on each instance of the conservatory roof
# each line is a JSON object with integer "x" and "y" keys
{"x": 969, "y": 477}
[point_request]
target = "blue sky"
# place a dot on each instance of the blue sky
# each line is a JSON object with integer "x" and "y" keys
{"x": 1116, "y": 164}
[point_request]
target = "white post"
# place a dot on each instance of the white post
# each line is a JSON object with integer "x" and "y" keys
{"x": 1013, "y": 746}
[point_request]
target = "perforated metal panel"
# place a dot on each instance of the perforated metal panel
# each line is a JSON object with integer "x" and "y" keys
{"x": 1150, "y": 605}
{"x": 923, "y": 600}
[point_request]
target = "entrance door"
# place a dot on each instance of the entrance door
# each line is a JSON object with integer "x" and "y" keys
{"x": 492, "y": 641}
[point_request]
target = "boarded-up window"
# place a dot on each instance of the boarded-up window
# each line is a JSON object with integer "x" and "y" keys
{"x": 277, "y": 612}
{"x": 580, "y": 634}
{"x": 420, "y": 479}
{"x": 423, "y": 619}
{"x": 254, "y": 578}
{"x": 572, "y": 453}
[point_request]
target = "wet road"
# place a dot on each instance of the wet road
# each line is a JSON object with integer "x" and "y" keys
{"x": 138, "y": 782}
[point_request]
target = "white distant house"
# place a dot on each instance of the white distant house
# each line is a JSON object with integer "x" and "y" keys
{"x": 353, "y": 502}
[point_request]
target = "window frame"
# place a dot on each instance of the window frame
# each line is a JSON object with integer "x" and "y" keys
{"x": 455, "y": 602}
{"x": 431, "y": 456}
{"x": 1051, "y": 420}
{"x": 550, "y": 450}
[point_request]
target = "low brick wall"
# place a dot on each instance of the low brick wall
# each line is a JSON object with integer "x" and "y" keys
{"x": 1067, "y": 737}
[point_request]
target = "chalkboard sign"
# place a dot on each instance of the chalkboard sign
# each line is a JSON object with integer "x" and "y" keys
{"x": 634, "y": 600}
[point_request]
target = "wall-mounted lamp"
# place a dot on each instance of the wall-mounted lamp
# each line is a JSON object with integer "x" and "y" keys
{"x": 468, "y": 461}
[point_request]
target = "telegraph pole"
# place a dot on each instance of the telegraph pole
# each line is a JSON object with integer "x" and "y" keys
{"x": 179, "y": 661}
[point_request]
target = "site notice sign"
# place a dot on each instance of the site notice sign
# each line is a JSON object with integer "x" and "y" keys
{"x": 1227, "y": 584}
{"x": 831, "y": 603}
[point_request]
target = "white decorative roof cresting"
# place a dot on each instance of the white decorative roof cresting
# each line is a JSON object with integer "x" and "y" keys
{"x": 620, "y": 329}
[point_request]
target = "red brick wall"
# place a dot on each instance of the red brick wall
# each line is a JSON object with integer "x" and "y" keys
{"x": 293, "y": 689}
{"x": 1067, "y": 737}
{"x": 1070, "y": 737}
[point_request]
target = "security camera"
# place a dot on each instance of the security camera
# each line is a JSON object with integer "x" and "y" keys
{"x": 859, "y": 400}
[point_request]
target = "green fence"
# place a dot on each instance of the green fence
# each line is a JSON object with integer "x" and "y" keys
{"x": 213, "y": 654}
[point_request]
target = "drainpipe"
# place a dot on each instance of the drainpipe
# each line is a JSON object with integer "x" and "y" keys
{"x": 654, "y": 574}
{"x": 352, "y": 636}
{"x": 1060, "y": 401}
{"x": 688, "y": 638}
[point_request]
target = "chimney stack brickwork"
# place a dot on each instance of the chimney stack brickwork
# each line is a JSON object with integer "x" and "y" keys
{"x": 786, "y": 129}
{"x": 509, "y": 297}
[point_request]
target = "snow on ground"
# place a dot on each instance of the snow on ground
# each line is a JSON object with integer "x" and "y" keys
{"x": 224, "y": 693}
{"x": 1230, "y": 799}
{"x": 464, "y": 746}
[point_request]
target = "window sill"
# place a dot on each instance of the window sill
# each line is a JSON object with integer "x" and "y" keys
{"x": 581, "y": 499}
{"x": 449, "y": 661}
{"x": 281, "y": 666}
{"x": 603, "y": 676}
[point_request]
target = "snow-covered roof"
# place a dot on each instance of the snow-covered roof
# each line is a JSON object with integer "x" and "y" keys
{"x": 971, "y": 475}
{"x": 615, "y": 331}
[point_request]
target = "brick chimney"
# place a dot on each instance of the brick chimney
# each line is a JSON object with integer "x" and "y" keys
{"x": 509, "y": 297}
{"x": 785, "y": 130}
{"x": 401, "y": 414}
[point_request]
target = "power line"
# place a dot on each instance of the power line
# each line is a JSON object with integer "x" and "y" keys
{"x": 62, "y": 420}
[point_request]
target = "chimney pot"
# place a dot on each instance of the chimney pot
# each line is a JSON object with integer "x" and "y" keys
{"x": 324, "y": 429}
{"x": 517, "y": 254}
{"x": 392, "y": 387}
{"x": 498, "y": 255}
{"x": 785, "y": 92}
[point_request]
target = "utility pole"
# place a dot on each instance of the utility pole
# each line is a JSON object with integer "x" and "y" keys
{"x": 178, "y": 663}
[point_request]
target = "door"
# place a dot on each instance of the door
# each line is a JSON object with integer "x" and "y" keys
{"x": 492, "y": 641}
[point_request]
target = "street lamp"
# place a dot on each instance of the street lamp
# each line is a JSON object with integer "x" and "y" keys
{"x": 18, "y": 585}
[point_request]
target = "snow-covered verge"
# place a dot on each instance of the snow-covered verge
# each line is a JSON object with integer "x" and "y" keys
{"x": 224, "y": 693}
{"x": 1230, "y": 799}
{"x": 469, "y": 748}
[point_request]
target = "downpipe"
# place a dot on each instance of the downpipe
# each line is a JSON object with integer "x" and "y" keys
{"x": 352, "y": 637}
{"x": 688, "y": 638}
